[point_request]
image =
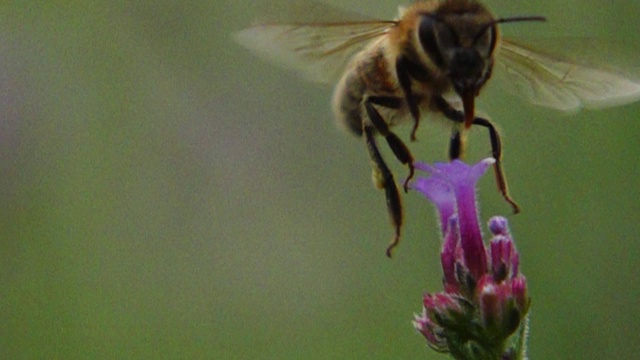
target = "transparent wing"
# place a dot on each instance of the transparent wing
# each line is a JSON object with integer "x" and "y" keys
{"x": 318, "y": 49}
{"x": 563, "y": 84}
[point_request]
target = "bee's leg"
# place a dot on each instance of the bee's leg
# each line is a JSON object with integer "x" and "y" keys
{"x": 384, "y": 179}
{"x": 458, "y": 140}
{"x": 374, "y": 123}
{"x": 398, "y": 147}
{"x": 496, "y": 151}
{"x": 456, "y": 146}
{"x": 404, "y": 71}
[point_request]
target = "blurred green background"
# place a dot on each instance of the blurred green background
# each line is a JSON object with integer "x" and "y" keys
{"x": 167, "y": 195}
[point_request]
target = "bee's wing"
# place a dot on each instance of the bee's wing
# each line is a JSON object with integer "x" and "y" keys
{"x": 318, "y": 49}
{"x": 563, "y": 84}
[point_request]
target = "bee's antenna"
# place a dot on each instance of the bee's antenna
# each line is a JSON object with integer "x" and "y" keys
{"x": 508, "y": 20}
{"x": 518, "y": 19}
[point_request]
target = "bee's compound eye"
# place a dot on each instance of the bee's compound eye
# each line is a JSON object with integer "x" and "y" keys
{"x": 427, "y": 32}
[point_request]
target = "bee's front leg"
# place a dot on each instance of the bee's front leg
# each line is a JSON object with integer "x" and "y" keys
{"x": 496, "y": 151}
{"x": 457, "y": 143}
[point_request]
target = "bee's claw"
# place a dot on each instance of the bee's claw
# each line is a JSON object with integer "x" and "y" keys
{"x": 514, "y": 205}
{"x": 405, "y": 185}
{"x": 394, "y": 243}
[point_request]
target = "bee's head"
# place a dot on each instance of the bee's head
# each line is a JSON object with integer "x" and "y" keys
{"x": 462, "y": 44}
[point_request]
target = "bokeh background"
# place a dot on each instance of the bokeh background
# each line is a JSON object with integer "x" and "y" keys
{"x": 164, "y": 194}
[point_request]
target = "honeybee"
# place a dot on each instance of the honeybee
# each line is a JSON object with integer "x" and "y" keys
{"x": 435, "y": 51}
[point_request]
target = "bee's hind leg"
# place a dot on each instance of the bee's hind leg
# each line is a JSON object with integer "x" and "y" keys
{"x": 383, "y": 178}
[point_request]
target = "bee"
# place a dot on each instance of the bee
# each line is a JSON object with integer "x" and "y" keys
{"x": 435, "y": 55}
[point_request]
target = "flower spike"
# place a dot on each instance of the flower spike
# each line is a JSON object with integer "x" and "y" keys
{"x": 482, "y": 312}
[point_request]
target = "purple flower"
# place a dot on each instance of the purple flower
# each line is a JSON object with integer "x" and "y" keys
{"x": 481, "y": 314}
